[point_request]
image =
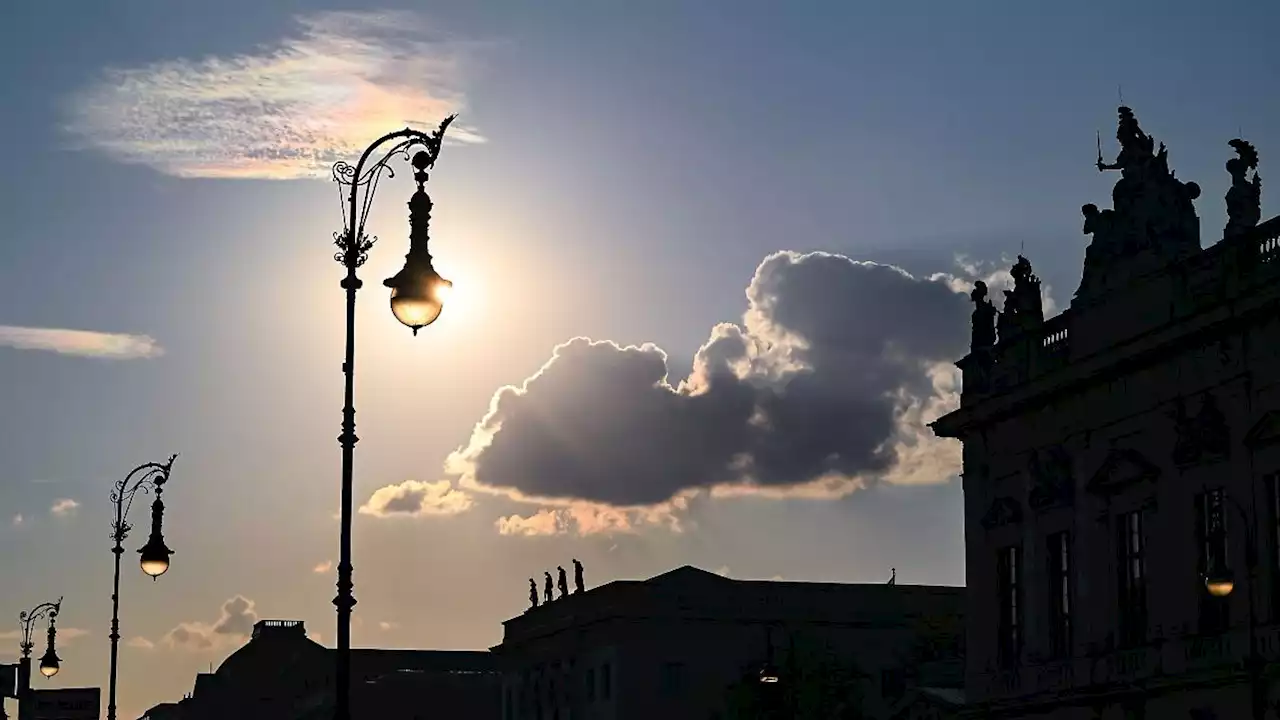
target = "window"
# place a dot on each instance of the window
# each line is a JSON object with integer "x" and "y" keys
{"x": 1131, "y": 544}
{"x": 1211, "y": 535}
{"x": 606, "y": 681}
{"x": 1272, "y": 483}
{"x": 1060, "y": 569}
{"x": 672, "y": 679}
{"x": 1009, "y": 584}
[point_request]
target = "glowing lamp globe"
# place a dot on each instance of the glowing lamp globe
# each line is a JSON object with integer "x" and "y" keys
{"x": 1220, "y": 586}
{"x": 50, "y": 664}
{"x": 417, "y": 298}
{"x": 155, "y": 557}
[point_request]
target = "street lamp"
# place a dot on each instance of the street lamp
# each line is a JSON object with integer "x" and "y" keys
{"x": 49, "y": 663}
{"x": 1219, "y": 581}
{"x": 154, "y": 556}
{"x": 417, "y": 298}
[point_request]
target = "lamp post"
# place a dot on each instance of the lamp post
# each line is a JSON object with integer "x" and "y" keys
{"x": 417, "y": 298}
{"x": 1219, "y": 581}
{"x": 154, "y": 556}
{"x": 50, "y": 663}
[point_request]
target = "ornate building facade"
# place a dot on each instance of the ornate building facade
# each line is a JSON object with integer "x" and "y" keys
{"x": 1121, "y": 459}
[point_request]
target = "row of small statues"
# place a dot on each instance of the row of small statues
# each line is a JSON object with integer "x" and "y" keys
{"x": 563, "y": 584}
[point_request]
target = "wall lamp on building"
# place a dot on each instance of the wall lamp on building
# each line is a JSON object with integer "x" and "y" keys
{"x": 418, "y": 293}
{"x": 768, "y": 671}
{"x": 153, "y": 557}
{"x": 1219, "y": 581}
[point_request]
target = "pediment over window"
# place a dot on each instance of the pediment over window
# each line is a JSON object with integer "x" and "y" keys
{"x": 1122, "y": 469}
{"x": 1264, "y": 432}
{"x": 1003, "y": 511}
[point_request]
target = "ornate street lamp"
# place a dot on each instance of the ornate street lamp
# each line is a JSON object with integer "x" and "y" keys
{"x": 50, "y": 663}
{"x": 154, "y": 556}
{"x": 1220, "y": 582}
{"x": 417, "y": 297}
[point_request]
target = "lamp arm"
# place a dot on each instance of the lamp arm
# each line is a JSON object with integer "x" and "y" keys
{"x": 27, "y": 620}
{"x": 353, "y": 245}
{"x": 142, "y": 478}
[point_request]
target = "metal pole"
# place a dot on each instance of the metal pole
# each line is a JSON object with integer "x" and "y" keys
{"x": 117, "y": 550}
{"x": 346, "y": 600}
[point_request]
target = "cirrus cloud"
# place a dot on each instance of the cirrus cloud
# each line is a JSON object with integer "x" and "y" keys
{"x": 287, "y": 111}
{"x": 85, "y": 343}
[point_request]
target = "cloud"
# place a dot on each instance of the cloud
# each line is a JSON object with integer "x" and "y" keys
{"x": 86, "y": 343}
{"x": 385, "y": 626}
{"x": 64, "y": 507}
{"x": 235, "y": 623}
{"x": 323, "y": 567}
{"x": 141, "y": 643}
{"x": 415, "y": 499}
{"x": 824, "y": 387}
{"x": 18, "y": 520}
{"x": 66, "y": 635}
{"x": 286, "y": 111}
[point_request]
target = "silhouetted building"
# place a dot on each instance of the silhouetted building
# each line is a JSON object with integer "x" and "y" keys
{"x": 682, "y": 644}
{"x": 281, "y": 674}
{"x": 1121, "y": 453}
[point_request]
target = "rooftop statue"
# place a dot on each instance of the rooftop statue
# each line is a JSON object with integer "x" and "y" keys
{"x": 1023, "y": 305}
{"x": 984, "y": 318}
{"x": 1244, "y": 199}
{"x": 1153, "y": 213}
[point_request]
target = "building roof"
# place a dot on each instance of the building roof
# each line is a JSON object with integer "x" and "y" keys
{"x": 689, "y": 591}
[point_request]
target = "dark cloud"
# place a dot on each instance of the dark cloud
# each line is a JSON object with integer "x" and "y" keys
{"x": 833, "y": 360}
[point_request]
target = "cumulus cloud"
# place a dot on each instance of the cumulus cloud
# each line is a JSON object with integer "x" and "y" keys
{"x": 64, "y": 507}
{"x": 323, "y": 567}
{"x": 141, "y": 643}
{"x": 86, "y": 343}
{"x": 824, "y": 387}
{"x": 413, "y": 498}
{"x": 235, "y": 623}
{"x": 286, "y": 111}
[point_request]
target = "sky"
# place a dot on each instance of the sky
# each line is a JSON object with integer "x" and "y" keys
{"x": 710, "y": 264}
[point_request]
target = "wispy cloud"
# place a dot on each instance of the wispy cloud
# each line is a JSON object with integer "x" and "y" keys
{"x": 141, "y": 643}
{"x": 287, "y": 111}
{"x": 18, "y": 520}
{"x": 415, "y": 498}
{"x": 64, "y": 507}
{"x": 87, "y": 343}
{"x": 323, "y": 567}
{"x": 66, "y": 635}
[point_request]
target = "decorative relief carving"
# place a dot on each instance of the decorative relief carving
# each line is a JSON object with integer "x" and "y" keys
{"x": 1123, "y": 468}
{"x": 1052, "y": 480}
{"x": 1201, "y": 438}
{"x": 1003, "y": 511}
{"x": 1264, "y": 432}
